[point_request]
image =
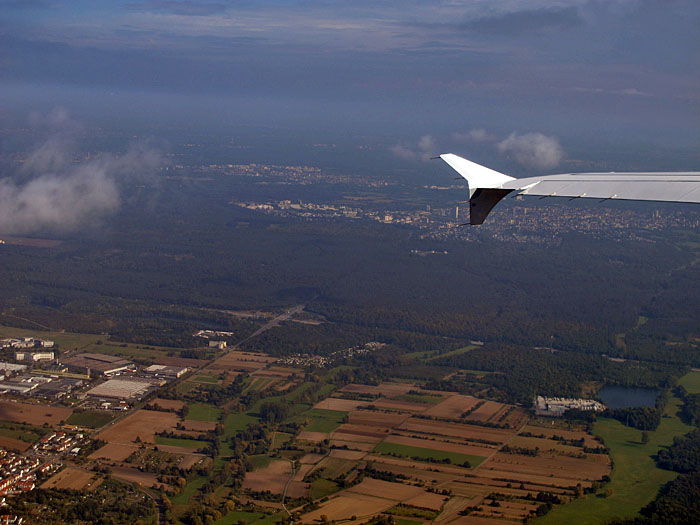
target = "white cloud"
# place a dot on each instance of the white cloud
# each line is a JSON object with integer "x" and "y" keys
{"x": 53, "y": 192}
{"x": 425, "y": 149}
{"x": 475, "y": 135}
{"x": 533, "y": 150}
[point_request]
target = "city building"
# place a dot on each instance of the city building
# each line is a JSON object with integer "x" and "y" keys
{"x": 169, "y": 372}
{"x": 102, "y": 364}
{"x": 557, "y": 406}
{"x": 124, "y": 389}
{"x": 34, "y": 356}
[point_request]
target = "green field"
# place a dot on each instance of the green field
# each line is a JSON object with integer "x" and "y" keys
{"x": 427, "y": 453}
{"x": 322, "y": 420}
{"x": 235, "y": 422}
{"x": 183, "y": 498}
{"x": 202, "y": 412}
{"x": 204, "y": 378}
{"x": 635, "y": 480}
{"x": 691, "y": 382}
{"x": 321, "y": 488}
{"x": 233, "y": 518}
{"x": 280, "y": 439}
{"x": 90, "y": 418}
{"x": 420, "y": 398}
{"x": 21, "y": 431}
{"x": 180, "y": 442}
{"x": 258, "y": 462}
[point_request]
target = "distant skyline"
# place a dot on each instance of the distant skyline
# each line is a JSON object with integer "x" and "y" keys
{"x": 621, "y": 70}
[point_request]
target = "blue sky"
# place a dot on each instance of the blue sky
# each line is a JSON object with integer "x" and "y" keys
{"x": 614, "y": 69}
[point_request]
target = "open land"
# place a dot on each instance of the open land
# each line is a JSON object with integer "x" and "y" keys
{"x": 70, "y": 478}
{"x": 33, "y": 414}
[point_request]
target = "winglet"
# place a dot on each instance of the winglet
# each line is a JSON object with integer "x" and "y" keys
{"x": 477, "y": 176}
{"x": 484, "y": 186}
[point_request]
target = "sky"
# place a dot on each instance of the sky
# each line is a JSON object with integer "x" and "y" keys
{"x": 619, "y": 70}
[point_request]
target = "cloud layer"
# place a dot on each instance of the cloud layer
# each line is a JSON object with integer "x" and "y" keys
{"x": 532, "y": 150}
{"x": 51, "y": 191}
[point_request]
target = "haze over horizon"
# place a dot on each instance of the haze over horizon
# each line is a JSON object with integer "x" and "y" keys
{"x": 623, "y": 71}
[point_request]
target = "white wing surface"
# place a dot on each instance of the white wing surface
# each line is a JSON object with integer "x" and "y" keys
{"x": 485, "y": 189}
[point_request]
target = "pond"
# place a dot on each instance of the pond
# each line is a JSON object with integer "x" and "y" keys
{"x": 626, "y": 396}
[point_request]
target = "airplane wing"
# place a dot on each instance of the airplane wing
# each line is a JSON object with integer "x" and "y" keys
{"x": 487, "y": 187}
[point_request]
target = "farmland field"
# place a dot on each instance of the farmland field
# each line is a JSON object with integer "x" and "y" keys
{"x": 22, "y": 432}
{"x": 180, "y": 442}
{"x": 201, "y": 412}
{"x": 33, "y": 414}
{"x": 324, "y": 420}
{"x": 427, "y": 453}
{"x": 69, "y": 478}
{"x": 323, "y": 487}
{"x": 184, "y": 496}
{"x": 90, "y": 418}
{"x": 635, "y": 479}
{"x": 142, "y": 424}
{"x": 691, "y": 382}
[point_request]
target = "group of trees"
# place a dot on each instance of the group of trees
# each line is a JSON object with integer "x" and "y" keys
{"x": 519, "y": 373}
{"x": 111, "y": 502}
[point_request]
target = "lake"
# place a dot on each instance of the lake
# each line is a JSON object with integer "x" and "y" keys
{"x": 625, "y": 397}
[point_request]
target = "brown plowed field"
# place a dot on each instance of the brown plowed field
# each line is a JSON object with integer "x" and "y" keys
{"x": 33, "y": 414}
{"x": 543, "y": 444}
{"x": 241, "y": 361}
{"x": 347, "y": 454}
{"x": 273, "y": 477}
{"x": 354, "y": 445}
{"x": 276, "y": 371}
{"x": 336, "y": 403}
{"x": 366, "y": 432}
{"x": 199, "y": 426}
{"x": 376, "y": 419}
{"x": 495, "y": 435}
{"x": 414, "y": 472}
{"x": 386, "y": 389}
{"x": 114, "y": 452}
{"x": 298, "y": 489}
{"x": 400, "y": 405}
{"x": 434, "y": 467}
{"x": 312, "y": 436}
{"x": 440, "y": 445}
{"x": 311, "y": 459}
{"x": 547, "y": 481}
{"x": 136, "y": 476}
{"x": 167, "y": 404}
{"x": 570, "y": 435}
{"x": 517, "y": 418}
{"x": 452, "y": 508}
{"x": 485, "y": 411}
{"x": 346, "y": 505}
{"x": 452, "y": 407}
{"x": 385, "y": 489}
{"x": 142, "y": 424}
{"x": 13, "y": 444}
{"x": 302, "y": 471}
{"x": 550, "y": 464}
{"x": 334, "y": 467}
{"x": 69, "y": 478}
{"x": 427, "y": 500}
